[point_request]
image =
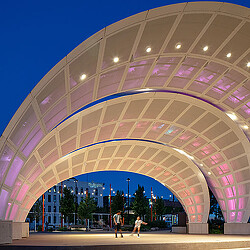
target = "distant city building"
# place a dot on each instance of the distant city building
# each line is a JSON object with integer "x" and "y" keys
{"x": 78, "y": 188}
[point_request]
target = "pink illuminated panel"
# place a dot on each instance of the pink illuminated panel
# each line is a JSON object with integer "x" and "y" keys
{"x": 163, "y": 69}
{"x": 13, "y": 212}
{"x": 14, "y": 171}
{"x": 82, "y": 95}
{"x": 5, "y": 160}
{"x": 245, "y": 110}
{"x": 183, "y": 138}
{"x": 51, "y": 93}
{"x": 36, "y": 172}
{"x": 51, "y": 158}
{"x": 109, "y": 82}
{"x": 56, "y": 114}
{"x": 204, "y": 152}
{"x": 231, "y": 204}
{"x": 230, "y": 192}
{"x": 198, "y": 142}
{"x": 222, "y": 169}
{"x": 240, "y": 216}
{"x": 15, "y": 189}
{"x": 24, "y": 126}
{"x": 4, "y": 196}
{"x": 22, "y": 192}
{"x": 171, "y": 133}
{"x": 243, "y": 203}
{"x": 209, "y": 74}
{"x": 214, "y": 159}
{"x": 32, "y": 140}
{"x": 140, "y": 129}
{"x": 156, "y": 129}
{"x": 136, "y": 74}
{"x": 123, "y": 129}
{"x": 227, "y": 180}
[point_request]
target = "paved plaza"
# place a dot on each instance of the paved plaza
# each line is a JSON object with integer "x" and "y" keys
{"x": 147, "y": 240}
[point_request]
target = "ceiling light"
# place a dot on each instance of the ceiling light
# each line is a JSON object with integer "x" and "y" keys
{"x": 178, "y": 46}
{"x": 83, "y": 77}
{"x": 116, "y": 59}
{"x": 148, "y": 49}
{"x": 229, "y": 55}
{"x": 232, "y": 116}
{"x": 205, "y": 48}
{"x": 248, "y": 64}
{"x": 209, "y": 173}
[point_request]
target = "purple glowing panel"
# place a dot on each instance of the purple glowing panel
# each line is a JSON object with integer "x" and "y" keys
{"x": 56, "y": 114}
{"x": 14, "y": 171}
{"x": 82, "y": 95}
{"x": 216, "y": 93}
{"x": 109, "y": 82}
{"x": 4, "y": 196}
{"x": 4, "y": 161}
{"x": 163, "y": 69}
{"x": 13, "y": 212}
{"x": 245, "y": 110}
{"x": 136, "y": 74}
{"x": 22, "y": 192}
{"x": 32, "y": 140}
{"x": 232, "y": 216}
{"x": 198, "y": 87}
{"x": 24, "y": 126}
{"x": 184, "y": 138}
{"x": 222, "y": 169}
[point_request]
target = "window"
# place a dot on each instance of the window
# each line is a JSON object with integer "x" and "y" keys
{"x": 49, "y": 208}
{"x": 54, "y": 198}
{"x": 54, "y": 208}
{"x": 81, "y": 190}
{"x": 49, "y": 219}
{"x": 49, "y": 198}
{"x": 54, "y": 219}
{"x": 96, "y": 192}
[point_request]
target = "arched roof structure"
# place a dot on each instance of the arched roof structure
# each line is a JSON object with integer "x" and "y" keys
{"x": 173, "y": 106}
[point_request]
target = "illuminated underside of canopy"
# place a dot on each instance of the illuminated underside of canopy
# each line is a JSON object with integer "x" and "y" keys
{"x": 182, "y": 117}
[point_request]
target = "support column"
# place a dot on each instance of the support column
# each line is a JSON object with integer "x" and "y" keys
{"x": 5, "y": 231}
{"x": 236, "y": 228}
{"x": 197, "y": 228}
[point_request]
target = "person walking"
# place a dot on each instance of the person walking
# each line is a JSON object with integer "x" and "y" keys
{"x": 138, "y": 223}
{"x": 118, "y": 222}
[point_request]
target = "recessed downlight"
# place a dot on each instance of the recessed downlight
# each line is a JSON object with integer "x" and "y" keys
{"x": 178, "y": 46}
{"x": 116, "y": 59}
{"x": 248, "y": 64}
{"x": 229, "y": 55}
{"x": 205, "y": 48}
{"x": 148, "y": 49}
{"x": 83, "y": 77}
{"x": 209, "y": 173}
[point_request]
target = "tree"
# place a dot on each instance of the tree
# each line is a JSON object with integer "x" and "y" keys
{"x": 118, "y": 202}
{"x": 67, "y": 204}
{"x": 86, "y": 207}
{"x": 140, "y": 205}
{"x": 214, "y": 207}
{"x": 159, "y": 207}
{"x": 36, "y": 211}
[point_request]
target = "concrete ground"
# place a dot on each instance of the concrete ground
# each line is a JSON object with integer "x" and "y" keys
{"x": 147, "y": 240}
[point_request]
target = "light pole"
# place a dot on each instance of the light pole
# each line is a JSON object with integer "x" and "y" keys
{"x": 128, "y": 180}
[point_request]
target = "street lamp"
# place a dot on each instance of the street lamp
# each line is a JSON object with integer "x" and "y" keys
{"x": 128, "y": 180}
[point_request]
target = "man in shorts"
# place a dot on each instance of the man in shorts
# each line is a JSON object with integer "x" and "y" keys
{"x": 118, "y": 222}
{"x": 138, "y": 223}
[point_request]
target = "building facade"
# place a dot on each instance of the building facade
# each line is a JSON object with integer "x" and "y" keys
{"x": 78, "y": 188}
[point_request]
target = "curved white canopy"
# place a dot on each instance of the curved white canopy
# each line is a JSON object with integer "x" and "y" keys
{"x": 184, "y": 103}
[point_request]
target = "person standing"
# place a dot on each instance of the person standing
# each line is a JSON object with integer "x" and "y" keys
{"x": 118, "y": 222}
{"x": 138, "y": 223}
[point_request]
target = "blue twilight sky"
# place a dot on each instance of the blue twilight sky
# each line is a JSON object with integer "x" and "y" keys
{"x": 36, "y": 35}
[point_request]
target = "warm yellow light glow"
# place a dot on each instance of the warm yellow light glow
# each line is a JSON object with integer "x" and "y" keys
{"x": 116, "y": 59}
{"x": 229, "y": 55}
{"x": 83, "y": 77}
{"x": 205, "y": 48}
{"x": 245, "y": 127}
{"x": 178, "y": 46}
{"x": 232, "y": 116}
{"x": 248, "y": 64}
{"x": 209, "y": 173}
{"x": 148, "y": 49}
